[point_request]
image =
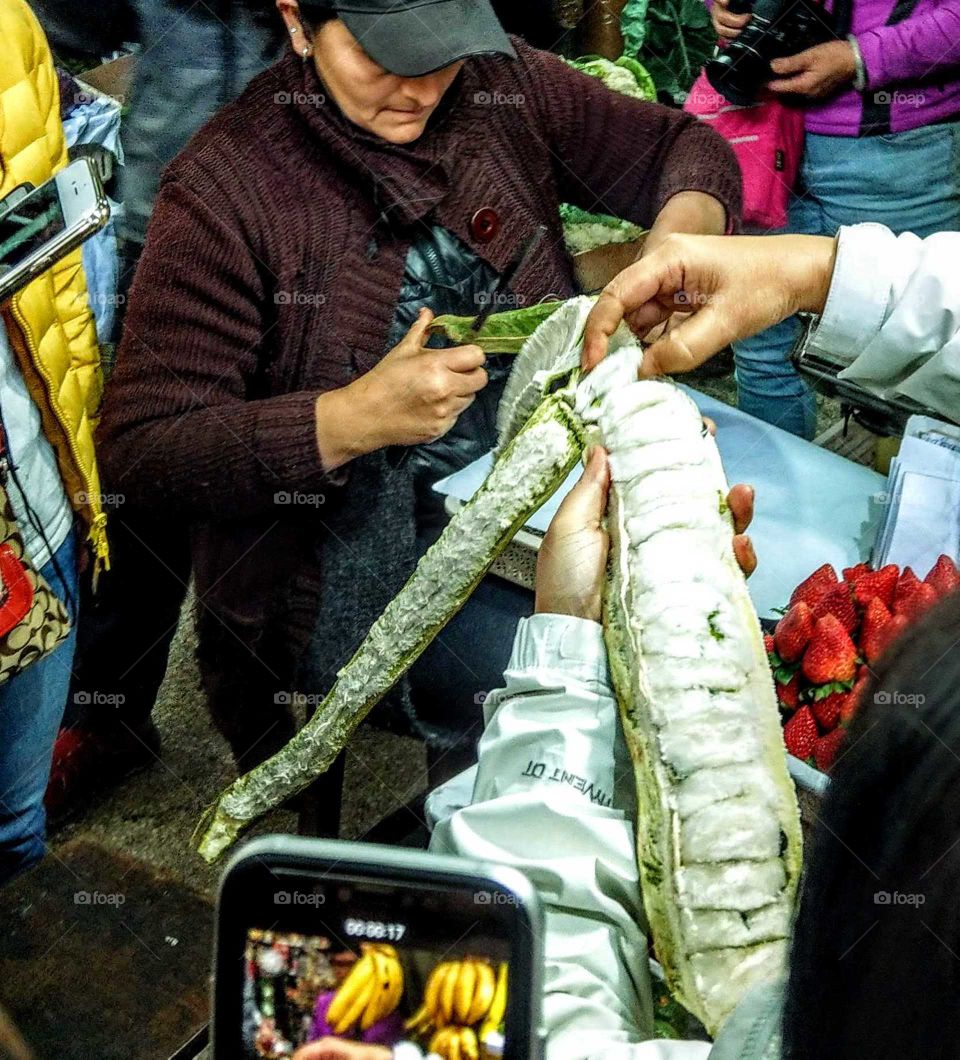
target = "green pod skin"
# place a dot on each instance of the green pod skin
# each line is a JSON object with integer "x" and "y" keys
{"x": 528, "y": 471}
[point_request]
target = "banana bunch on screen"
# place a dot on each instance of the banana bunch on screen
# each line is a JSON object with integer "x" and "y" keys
{"x": 718, "y": 827}
{"x": 371, "y": 991}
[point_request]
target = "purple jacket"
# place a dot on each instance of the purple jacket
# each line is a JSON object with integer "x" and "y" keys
{"x": 913, "y": 70}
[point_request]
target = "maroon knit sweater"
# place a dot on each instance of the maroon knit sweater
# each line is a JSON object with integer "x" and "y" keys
{"x": 271, "y": 273}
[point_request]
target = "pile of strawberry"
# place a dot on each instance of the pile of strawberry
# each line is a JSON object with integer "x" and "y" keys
{"x": 831, "y": 632}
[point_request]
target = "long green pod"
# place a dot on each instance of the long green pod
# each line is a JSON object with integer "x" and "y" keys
{"x": 718, "y": 830}
{"x": 528, "y": 471}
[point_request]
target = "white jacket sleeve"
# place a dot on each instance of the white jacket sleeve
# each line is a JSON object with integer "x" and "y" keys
{"x": 554, "y": 796}
{"x": 894, "y": 311}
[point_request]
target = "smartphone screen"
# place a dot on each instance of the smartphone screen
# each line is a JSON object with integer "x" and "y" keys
{"x": 305, "y": 988}
{"x": 29, "y": 225}
{"x": 382, "y": 957}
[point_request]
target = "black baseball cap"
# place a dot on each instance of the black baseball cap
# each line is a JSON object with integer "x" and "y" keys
{"x": 411, "y": 38}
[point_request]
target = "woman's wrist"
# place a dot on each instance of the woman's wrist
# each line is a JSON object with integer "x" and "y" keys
{"x": 343, "y": 428}
{"x": 693, "y": 212}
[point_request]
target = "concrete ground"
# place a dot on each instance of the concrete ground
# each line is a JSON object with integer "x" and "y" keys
{"x": 152, "y": 814}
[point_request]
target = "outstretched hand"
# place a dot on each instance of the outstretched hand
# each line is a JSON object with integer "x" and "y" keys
{"x": 731, "y": 286}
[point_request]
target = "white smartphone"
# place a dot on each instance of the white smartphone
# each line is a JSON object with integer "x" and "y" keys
{"x": 39, "y": 226}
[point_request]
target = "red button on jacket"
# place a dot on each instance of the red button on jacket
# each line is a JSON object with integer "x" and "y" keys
{"x": 484, "y": 225}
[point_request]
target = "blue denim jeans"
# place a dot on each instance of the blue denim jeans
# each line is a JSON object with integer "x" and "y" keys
{"x": 31, "y": 706}
{"x": 908, "y": 181}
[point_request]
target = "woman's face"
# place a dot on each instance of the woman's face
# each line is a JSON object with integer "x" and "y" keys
{"x": 394, "y": 108}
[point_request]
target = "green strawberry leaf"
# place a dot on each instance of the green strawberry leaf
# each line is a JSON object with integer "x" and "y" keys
{"x": 822, "y": 691}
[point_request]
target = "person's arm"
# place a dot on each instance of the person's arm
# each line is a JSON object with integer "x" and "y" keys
{"x": 554, "y": 796}
{"x": 878, "y": 293}
{"x": 629, "y": 158}
{"x": 921, "y": 46}
{"x": 179, "y": 431}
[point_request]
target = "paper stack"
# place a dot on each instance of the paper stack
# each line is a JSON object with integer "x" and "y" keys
{"x": 922, "y": 513}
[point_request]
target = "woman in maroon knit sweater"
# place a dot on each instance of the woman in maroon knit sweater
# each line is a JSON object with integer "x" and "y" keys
{"x": 264, "y": 394}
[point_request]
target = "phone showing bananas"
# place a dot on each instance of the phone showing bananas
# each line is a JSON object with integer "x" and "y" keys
{"x": 339, "y": 950}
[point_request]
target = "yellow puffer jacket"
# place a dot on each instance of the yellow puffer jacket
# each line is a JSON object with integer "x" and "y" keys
{"x": 49, "y": 322}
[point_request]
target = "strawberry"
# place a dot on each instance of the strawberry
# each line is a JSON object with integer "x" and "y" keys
{"x": 800, "y": 734}
{"x": 906, "y": 587}
{"x": 922, "y": 597}
{"x": 878, "y": 583}
{"x": 821, "y": 581}
{"x": 825, "y": 750}
{"x": 851, "y": 575}
{"x": 853, "y": 702}
{"x": 875, "y": 620}
{"x": 793, "y": 632}
{"x": 788, "y": 693}
{"x": 830, "y": 655}
{"x": 827, "y": 710}
{"x": 838, "y": 602}
{"x": 768, "y": 644}
{"x": 944, "y": 576}
{"x": 892, "y": 630}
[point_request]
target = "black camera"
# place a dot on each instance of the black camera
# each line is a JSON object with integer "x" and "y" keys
{"x": 777, "y": 28}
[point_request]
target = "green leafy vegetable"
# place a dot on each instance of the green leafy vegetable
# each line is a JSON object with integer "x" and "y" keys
{"x": 672, "y": 38}
{"x": 501, "y": 332}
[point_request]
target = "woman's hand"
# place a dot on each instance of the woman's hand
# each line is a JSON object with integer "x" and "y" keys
{"x": 572, "y": 560}
{"x": 335, "y": 1049}
{"x": 817, "y": 72}
{"x": 732, "y": 287}
{"x": 414, "y": 395}
{"x": 727, "y": 25}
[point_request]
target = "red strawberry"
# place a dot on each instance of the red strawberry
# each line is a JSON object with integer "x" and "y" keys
{"x": 827, "y": 710}
{"x": 853, "y": 702}
{"x": 875, "y": 620}
{"x": 892, "y": 630}
{"x": 830, "y": 655}
{"x": 852, "y": 575}
{"x": 944, "y": 576}
{"x": 768, "y": 643}
{"x": 793, "y": 632}
{"x": 821, "y": 581}
{"x": 921, "y": 598}
{"x": 881, "y": 584}
{"x": 839, "y": 602}
{"x": 800, "y": 734}
{"x": 906, "y": 587}
{"x": 826, "y": 749}
{"x": 789, "y": 694}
